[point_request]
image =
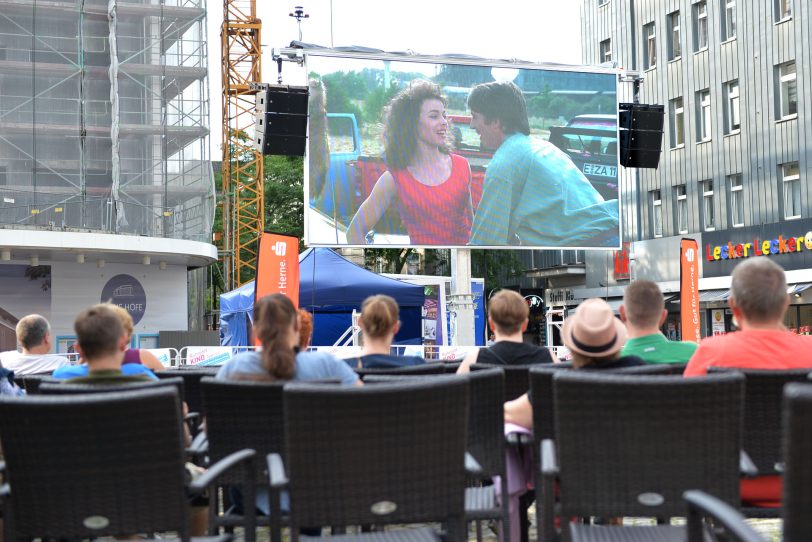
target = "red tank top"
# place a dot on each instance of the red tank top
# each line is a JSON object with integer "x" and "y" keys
{"x": 436, "y": 215}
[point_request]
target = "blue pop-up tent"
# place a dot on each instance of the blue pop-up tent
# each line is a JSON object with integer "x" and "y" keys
{"x": 330, "y": 287}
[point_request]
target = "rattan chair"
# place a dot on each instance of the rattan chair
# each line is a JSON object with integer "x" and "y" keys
{"x": 431, "y": 368}
{"x": 242, "y": 414}
{"x": 485, "y": 443}
{"x": 517, "y": 379}
{"x": 797, "y": 499}
{"x": 629, "y": 445}
{"x": 763, "y": 402}
{"x": 727, "y": 521}
{"x": 797, "y": 464}
{"x": 75, "y": 471}
{"x": 31, "y": 383}
{"x": 378, "y": 455}
{"x": 191, "y": 375}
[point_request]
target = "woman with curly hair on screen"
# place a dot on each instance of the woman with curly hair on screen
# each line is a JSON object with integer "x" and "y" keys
{"x": 429, "y": 184}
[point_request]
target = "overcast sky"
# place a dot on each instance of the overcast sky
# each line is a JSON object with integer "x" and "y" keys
{"x": 532, "y": 30}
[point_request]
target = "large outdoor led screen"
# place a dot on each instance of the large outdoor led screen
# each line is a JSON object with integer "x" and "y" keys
{"x": 425, "y": 153}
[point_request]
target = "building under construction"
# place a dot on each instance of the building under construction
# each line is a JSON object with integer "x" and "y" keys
{"x": 104, "y": 123}
{"x": 104, "y": 116}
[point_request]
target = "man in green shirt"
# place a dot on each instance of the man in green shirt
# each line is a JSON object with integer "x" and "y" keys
{"x": 101, "y": 341}
{"x": 643, "y": 312}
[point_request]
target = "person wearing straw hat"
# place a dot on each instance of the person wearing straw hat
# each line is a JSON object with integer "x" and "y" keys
{"x": 595, "y": 338}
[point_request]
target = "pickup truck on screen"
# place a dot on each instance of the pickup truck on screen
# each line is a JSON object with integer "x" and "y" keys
{"x": 589, "y": 140}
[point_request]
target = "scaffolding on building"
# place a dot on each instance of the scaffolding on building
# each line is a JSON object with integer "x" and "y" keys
{"x": 104, "y": 112}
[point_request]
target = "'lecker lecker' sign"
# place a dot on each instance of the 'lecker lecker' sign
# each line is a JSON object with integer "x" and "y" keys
{"x": 766, "y": 247}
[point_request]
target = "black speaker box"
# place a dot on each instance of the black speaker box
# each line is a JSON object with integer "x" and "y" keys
{"x": 641, "y": 134}
{"x": 281, "y": 120}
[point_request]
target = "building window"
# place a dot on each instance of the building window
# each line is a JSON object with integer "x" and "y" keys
{"x": 708, "y": 217}
{"x": 783, "y": 9}
{"x": 656, "y": 213}
{"x": 650, "y": 46}
{"x": 682, "y": 209}
{"x": 703, "y": 115}
{"x": 700, "y": 25}
{"x": 791, "y": 180}
{"x": 602, "y": 2}
{"x": 732, "y": 119}
{"x": 677, "y": 122}
{"x": 736, "y": 200}
{"x": 674, "y": 43}
{"x": 606, "y": 51}
{"x": 787, "y": 91}
{"x": 728, "y": 19}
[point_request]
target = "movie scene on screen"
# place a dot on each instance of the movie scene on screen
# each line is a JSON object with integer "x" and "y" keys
{"x": 445, "y": 153}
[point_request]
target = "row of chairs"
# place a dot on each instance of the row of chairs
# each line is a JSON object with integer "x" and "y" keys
{"x": 480, "y": 443}
{"x": 111, "y": 464}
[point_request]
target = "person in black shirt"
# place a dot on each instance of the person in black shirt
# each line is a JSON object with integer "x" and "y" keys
{"x": 508, "y": 315}
{"x": 379, "y": 324}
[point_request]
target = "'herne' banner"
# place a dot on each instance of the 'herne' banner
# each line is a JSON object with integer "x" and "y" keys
{"x": 689, "y": 290}
{"x": 278, "y": 266}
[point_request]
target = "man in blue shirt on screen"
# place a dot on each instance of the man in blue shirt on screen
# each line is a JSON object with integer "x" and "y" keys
{"x": 533, "y": 194}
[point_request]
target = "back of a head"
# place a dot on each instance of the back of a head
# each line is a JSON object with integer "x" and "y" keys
{"x": 759, "y": 289}
{"x": 379, "y": 315}
{"x": 643, "y": 303}
{"x": 274, "y": 315}
{"x": 305, "y": 328}
{"x": 508, "y": 310}
{"x": 98, "y": 331}
{"x": 503, "y": 101}
{"x": 124, "y": 316}
{"x": 31, "y": 331}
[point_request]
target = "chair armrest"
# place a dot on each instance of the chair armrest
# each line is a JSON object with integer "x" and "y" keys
{"x": 472, "y": 466}
{"x": 218, "y": 469}
{"x": 199, "y": 446}
{"x": 746, "y": 465}
{"x": 702, "y": 505}
{"x": 276, "y": 472}
{"x": 549, "y": 476}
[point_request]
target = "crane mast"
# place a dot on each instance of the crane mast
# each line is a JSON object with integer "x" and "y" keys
{"x": 243, "y": 187}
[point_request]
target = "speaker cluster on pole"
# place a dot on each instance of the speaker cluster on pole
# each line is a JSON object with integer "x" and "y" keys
{"x": 641, "y": 134}
{"x": 281, "y": 119}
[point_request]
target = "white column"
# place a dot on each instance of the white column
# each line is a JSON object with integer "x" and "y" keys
{"x": 461, "y": 301}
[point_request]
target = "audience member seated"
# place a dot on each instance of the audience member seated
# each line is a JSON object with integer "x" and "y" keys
{"x": 276, "y": 325}
{"x": 34, "y": 336}
{"x": 643, "y": 312}
{"x": 132, "y": 367}
{"x": 508, "y": 316}
{"x": 135, "y": 355}
{"x": 595, "y": 337}
{"x": 758, "y": 300}
{"x": 380, "y": 322}
{"x": 101, "y": 341}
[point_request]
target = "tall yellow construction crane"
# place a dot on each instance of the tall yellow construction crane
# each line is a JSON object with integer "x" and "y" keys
{"x": 243, "y": 186}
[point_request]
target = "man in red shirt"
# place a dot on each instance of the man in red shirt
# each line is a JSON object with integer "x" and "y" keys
{"x": 758, "y": 299}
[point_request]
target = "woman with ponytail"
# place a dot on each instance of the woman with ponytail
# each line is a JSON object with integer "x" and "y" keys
{"x": 380, "y": 322}
{"x": 276, "y": 325}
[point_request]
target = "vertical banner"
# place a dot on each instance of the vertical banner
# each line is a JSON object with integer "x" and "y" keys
{"x": 689, "y": 290}
{"x": 278, "y": 266}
